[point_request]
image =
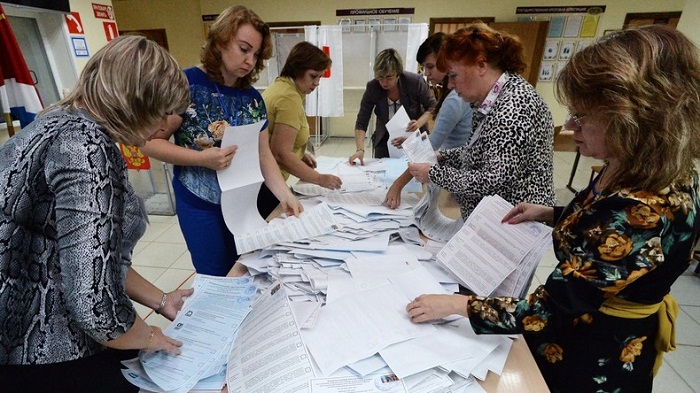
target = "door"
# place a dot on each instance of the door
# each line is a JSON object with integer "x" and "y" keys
{"x": 30, "y": 42}
{"x": 533, "y": 36}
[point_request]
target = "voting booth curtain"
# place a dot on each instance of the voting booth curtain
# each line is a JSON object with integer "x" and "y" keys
{"x": 353, "y": 46}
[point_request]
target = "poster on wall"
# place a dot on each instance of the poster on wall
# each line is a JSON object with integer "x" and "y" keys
{"x": 547, "y": 71}
{"x": 566, "y": 50}
{"x": 573, "y": 26}
{"x": 551, "y": 49}
{"x": 80, "y": 48}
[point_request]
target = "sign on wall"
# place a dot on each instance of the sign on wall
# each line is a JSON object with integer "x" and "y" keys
{"x": 75, "y": 25}
{"x": 103, "y": 11}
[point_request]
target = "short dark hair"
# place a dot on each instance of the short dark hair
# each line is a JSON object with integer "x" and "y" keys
{"x": 305, "y": 56}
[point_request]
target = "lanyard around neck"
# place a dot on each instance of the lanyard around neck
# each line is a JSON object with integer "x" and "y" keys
{"x": 225, "y": 109}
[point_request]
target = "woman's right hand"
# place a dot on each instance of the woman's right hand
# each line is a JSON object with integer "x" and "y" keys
{"x": 360, "y": 154}
{"x": 392, "y": 200}
{"x": 329, "y": 181}
{"x": 524, "y": 211}
{"x": 217, "y": 158}
{"x": 161, "y": 342}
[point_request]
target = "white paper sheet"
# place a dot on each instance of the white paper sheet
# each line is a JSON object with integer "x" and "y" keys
{"x": 396, "y": 126}
{"x": 268, "y": 354}
{"x": 240, "y": 182}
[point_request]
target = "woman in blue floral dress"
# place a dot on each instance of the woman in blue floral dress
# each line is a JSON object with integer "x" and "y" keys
{"x": 237, "y": 44}
{"x": 605, "y": 316}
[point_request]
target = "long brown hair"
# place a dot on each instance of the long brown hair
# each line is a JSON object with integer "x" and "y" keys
{"x": 645, "y": 83}
{"x": 222, "y": 31}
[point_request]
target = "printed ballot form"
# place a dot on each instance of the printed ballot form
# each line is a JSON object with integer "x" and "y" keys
{"x": 396, "y": 127}
{"x": 484, "y": 252}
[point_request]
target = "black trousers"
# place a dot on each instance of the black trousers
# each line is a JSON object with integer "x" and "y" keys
{"x": 97, "y": 373}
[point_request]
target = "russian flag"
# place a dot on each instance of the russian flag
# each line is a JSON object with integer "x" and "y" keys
{"x": 18, "y": 94}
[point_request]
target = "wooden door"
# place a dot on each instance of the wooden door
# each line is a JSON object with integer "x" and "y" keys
{"x": 533, "y": 36}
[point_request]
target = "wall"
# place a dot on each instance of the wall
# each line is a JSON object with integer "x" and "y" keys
{"x": 181, "y": 19}
{"x": 94, "y": 30}
{"x": 135, "y": 14}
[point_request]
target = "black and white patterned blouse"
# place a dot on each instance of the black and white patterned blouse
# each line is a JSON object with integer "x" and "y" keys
{"x": 69, "y": 220}
{"x": 510, "y": 153}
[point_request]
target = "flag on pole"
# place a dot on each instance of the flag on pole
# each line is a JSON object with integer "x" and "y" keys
{"x": 18, "y": 94}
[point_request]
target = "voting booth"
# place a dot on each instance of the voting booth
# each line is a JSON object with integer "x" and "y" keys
{"x": 334, "y": 105}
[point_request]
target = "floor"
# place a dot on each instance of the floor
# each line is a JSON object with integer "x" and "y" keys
{"x": 162, "y": 257}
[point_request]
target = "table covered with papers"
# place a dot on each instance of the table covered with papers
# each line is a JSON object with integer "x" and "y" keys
{"x": 324, "y": 312}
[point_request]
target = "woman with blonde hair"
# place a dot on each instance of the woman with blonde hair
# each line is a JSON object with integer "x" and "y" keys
{"x": 237, "y": 45}
{"x": 391, "y": 88}
{"x": 605, "y": 316}
{"x": 69, "y": 221}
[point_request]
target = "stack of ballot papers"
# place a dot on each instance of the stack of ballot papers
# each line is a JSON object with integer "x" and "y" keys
{"x": 493, "y": 258}
{"x": 207, "y": 325}
{"x": 329, "y": 314}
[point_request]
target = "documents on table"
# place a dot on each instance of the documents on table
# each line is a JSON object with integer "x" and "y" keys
{"x": 485, "y": 251}
{"x": 430, "y": 220}
{"x": 206, "y": 325}
{"x": 240, "y": 182}
{"x": 418, "y": 148}
{"x": 396, "y": 127}
{"x": 268, "y": 354}
{"x": 312, "y": 222}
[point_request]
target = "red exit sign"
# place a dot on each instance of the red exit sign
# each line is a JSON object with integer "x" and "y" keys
{"x": 103, "y": 11}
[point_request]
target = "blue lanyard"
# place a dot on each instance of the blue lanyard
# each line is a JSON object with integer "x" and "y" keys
{"x": 221, "y": 102}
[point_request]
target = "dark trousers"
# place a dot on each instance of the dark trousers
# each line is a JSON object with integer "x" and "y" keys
{"x": 96, "y": 373}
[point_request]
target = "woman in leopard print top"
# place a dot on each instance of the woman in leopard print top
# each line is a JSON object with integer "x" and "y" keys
{"x": 510, "y": 149}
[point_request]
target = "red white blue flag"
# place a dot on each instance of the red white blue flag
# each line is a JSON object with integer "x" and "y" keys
{"x": 18, "y": 94}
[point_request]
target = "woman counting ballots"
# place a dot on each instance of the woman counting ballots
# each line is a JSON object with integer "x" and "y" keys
{"x": 510, "y": 151}
{"x": 604, "y": 317}
{"x": 391, "y": 89}
{"x": 236, "y": 47}
{"x": 288, "y": 127}
{"x": 69, "y": 221}
{"x": 453, "y": 116}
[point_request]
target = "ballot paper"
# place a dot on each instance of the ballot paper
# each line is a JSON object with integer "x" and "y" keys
{"x": 396, "y": 127}
{"x": 268, "y": 354}
{"x": 315, "y": 221}
{"x": 418, "y": 148}
{"x": 430, "y": 220}
{"x": 240, "y": 181}
{"x": 485, "y": 251}
{"x": 206, "y": 325}
{"x": 384, "y": 383}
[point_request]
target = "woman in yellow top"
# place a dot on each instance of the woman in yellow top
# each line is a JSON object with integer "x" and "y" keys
{"x": 288, "y": 127}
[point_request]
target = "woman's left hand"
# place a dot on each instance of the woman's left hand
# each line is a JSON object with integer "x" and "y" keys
{"x": 398, "y": 141}
{"x": 431, "y": 307}
{"x": 174, "y": 301}
{"x": 291, "y": 205}
{"x": 412, "y": 126}
{"x": 309, "y": 160}
{"x": 420, "y": 171}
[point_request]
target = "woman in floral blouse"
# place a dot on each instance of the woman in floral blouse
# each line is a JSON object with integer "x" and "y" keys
{"x": 237, "y": 45}
{"x": 604, "y": 317}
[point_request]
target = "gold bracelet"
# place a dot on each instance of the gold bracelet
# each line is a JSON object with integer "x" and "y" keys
{"x": 362, "y": 150}
{"x": 163, "y": 300}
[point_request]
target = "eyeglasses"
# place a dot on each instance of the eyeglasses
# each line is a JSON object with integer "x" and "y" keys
{"x": 576, "y": 118}
{"x": 385, "y": 78}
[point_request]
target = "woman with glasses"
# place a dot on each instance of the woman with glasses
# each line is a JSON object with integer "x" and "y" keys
{"x": 453, "y": 116}
{"x": 604, "y": 317}
{"x": 509, "y": 152}
{"x": 391, "y": 89}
